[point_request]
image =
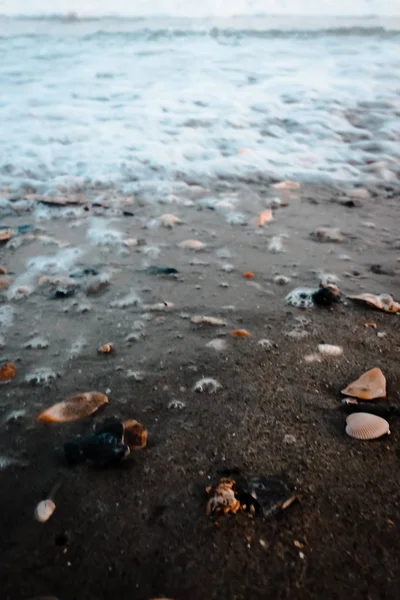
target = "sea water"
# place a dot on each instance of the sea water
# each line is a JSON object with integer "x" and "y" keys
{"x": 210, "y": 90}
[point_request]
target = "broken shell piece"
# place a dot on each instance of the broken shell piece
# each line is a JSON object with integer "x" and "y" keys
{"x": 7, "y": 371}
{"x": 364, "y": 426}
{"x": 192, "y": 244}
{"x": 223, "y": 499}
{"x": 78, "y": 407}
{"x": 169, "y": 220}
{"x": 266, "y": 344}
{"x": 204, "y": 320}
{"x": 286, "y": 185}
{"x": 240, "y": 333}
{"x": 131, "y": 242}
{"x": 383, "y": 302}
{"x": 5, "y": 281}
{"x": 248, "y": 275}
{"x": 3, "y": 270}
{"x": 207, "y": 384}
{"x": 330, "y": 350}
{"x": 158, "y": 306}
{"x": 106, "y": 349}
{"x": 265, "y": 216}
{"x": 44, "y": 510}
{"x": 327, "y": 234}
{"x": 6, "y": 234}
{"x": 369, "y": 386}
{"x": 135, "y": 435}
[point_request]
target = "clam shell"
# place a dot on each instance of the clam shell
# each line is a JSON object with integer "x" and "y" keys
{"x": 78, "y": 407}
{"x": 330, "y": 350}
{"x": 364, "y": 426}
{"x": 241, "y": 333}
{"x": 44, "y": 510}
{"x": 169, "y": 220}
{"x": 369, "y": 386}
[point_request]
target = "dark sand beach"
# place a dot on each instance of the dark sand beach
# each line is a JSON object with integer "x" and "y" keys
{"x": 139, "y": 529}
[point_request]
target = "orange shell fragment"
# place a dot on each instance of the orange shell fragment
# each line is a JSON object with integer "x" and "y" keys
{"x": 248, "y": 274}
{"x": 5, "y": 235}
{"x": 369, "y": 386}
{"x": 7, "y": 372}
{"x": 135, "y": 435}
{"x": 383, "y": 302}
{"x": 106, "y": 349}
{"x": 265, "y": 216}
{"x": 75, "y": 408}
{"x": 241, "y": 333}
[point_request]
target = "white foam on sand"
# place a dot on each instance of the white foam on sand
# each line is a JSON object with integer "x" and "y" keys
{"x": 310, "y": 105}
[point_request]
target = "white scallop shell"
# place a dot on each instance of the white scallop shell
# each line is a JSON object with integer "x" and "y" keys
{"x": 44, "y": 510}
{"x": 364, "y": 426}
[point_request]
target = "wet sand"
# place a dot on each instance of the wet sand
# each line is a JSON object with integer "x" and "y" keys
{"x": 139, "y": 530}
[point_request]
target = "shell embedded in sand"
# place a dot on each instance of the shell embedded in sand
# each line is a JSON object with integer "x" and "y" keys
{"x": 169, "y": 220}
{"x": 364, "y": 426}
{"x": 383, "y": 302}
{"x": 204, "y": 320}
{"x": 241, "y": 333}
{"x": 369, "y": 386}
{"x": 192, "y": 244}
{"x": 135, "y": 435}
{"x": 106, "y": 349}
{"x": 78, "y": 407}
{"x": 265, "y": 216}
{"x": 7, "y": 371}
{"x": 44, "y": 510}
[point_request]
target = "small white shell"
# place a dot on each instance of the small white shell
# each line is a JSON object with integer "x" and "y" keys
{"x": 44, "y": 510}
{"x": 364, "y": 426}
{"x": 329, "y": 350}
{"x": 192, "y": 244}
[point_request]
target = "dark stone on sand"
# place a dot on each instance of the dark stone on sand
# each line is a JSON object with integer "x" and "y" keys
{"x": 64, "y": 293}
{"x": 379, "y": 270}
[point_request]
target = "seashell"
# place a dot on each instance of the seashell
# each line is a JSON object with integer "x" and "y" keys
{"x": 286, "y": 185}
{"x": 130, "y": 242}
{"x": 223, "y": 499}
{"x": 44, "y": 510}
{"x": 240, "y": 333}
{"x": 169, "y": 220}
{"x": 106, "y": 349}
{"x": 383, "y": 302}
{"x": 158, "y": 306}
{"x": 372, "y": 325}
{"x": 364, "y": 426}
{"x": 248, "y": 274}
{"x": 192, "y": 244}
{"x": 204, "y": 320}
{"x": 330, "y": 350}
{"x": 3, "y": 270}
{"x": 207, "y": 384}
{"x": 6, "y": 234}
{"x": 369, "y": 386}
{"x": 217, "y": 344}
{"x": 327, "y": 234}
{"x": 300, "y": 298}
{"x": 7, "y": 371}
{"x": 78, "y": 407}
{"x": 135, "y": 435}
{"x": 265, "y": 216}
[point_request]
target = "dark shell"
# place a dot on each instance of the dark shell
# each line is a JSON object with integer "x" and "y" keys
{"x": 326, "y": 295}
{"x": 110, "y": 425}
{"x": 268, "y": 495}
{"x": 104, "y": 450}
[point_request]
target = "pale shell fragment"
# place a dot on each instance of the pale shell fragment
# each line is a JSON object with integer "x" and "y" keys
{"x": 169, "y": 220}
{"x": 203, "y": 319}
{"x": 286, "y": 185}
{"x": 44, "y": 510}
{"x": 365, "y": 426}
{"x": 330, "y": 350}
{"x": 192, "y": 244}
{"x": 383, "y": 302}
